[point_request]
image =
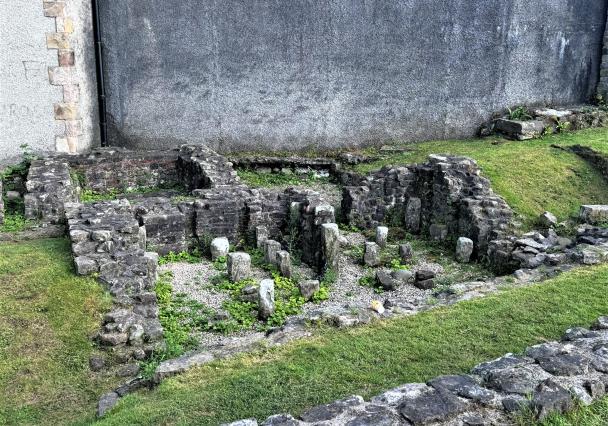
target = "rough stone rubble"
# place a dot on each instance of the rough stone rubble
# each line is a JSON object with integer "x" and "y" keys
{"x": 547, "y": 378}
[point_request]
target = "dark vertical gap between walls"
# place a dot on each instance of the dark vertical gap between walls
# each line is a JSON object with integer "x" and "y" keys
{"x": 101, "y": 90}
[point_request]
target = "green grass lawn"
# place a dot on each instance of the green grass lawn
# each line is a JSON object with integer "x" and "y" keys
{"x": 370, "y": 359}
{"x": 46, "y": 317}
{"x": 531, "y": 175}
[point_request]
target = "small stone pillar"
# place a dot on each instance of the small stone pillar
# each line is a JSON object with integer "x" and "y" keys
{"x": 284, "y": 263}
{"x": 330, "y": 239}
{"x": 238, "y": 266}
{"x": 308, "y": 288}
{"x": 261, "y": 236}
{"x": 464, "y": 249}
{"x": 219, "y": 247}
{"x": 271, "y": 249}
{"x": 381, "y": 236}
{"x": 266, "y": 299}
{"x": 405, "y": 252}
{"x": 371, "y": 257}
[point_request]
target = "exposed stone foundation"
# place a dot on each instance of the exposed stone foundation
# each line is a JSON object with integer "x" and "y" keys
{"x": 547, "y": 378}
{"x": 445, "y": 198}
{"x": 108, "y": 241}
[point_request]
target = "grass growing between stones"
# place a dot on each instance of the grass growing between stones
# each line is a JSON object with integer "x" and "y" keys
{"x": 532, "y": 176}
{"x": 594, "y": 415}
{"x": 368, "y": 360}
{"x": 46, "y": 316}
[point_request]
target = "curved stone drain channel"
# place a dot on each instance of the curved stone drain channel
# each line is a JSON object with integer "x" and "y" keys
{"x": 548, "y": 378}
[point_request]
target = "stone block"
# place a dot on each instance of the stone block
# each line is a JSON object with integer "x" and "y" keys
{"x": 412, "y": 215}
{"x": 61, "y": 76}
{"x": 66, "y": 58}
{"x": 219, "y": 247}
{"x": 308, "y": 288}
{"x": 594, "y": 214}
{"x": 66, "y": 111}
{"x": 520, "y": 130}
{"x": 381, "y": 236}
{"x": 330, "y": 240}
{"x": 261, "y": 236}
{"x": 386, "y": 281}
{"x": 464, "y": 249}
{"x": 266, "y": 299}
{"x": 238, "y": 266}
{"x": 58, "y": 40}
{"x": 371, "y": 256}
{"x": 405, "y": 252}
{"x": 284, "y": 263}
{"x": 271, "y": 249}
{"x": 85, "y": 265}
{"x": 53, "y": 9}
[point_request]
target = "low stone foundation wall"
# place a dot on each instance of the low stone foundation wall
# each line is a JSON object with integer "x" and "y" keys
{"x": 107, "y": 241}
{"x": 547, "y": 378}
{"x": 105, "y": 170}
{"x": 49, "y": 185}
{"x": 596, "y": 159}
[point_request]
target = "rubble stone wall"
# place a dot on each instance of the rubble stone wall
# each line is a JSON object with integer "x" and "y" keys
{"x": 443, "y": 198}
{"x": 108, "y": 241}
{"x": 547, "y": 378}
{"x": 104, "y": 170}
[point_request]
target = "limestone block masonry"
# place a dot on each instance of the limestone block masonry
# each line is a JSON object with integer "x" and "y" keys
{"x": 48, "y": 87}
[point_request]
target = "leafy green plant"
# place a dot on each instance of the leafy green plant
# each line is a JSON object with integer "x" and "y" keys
{"x": 179, "y": 316}
{"x": 91, "y": 196}
{"x": 219, "y": 264}
{"x": 396, "y": 265}
{"x": 183, "y": 256}
{"x": 521, "y": 113}
{"x": 15, "y": 222}
{"x": 321, "y": 295}
{"x": 562, "y": 126}
{"x": 368, "y": 280}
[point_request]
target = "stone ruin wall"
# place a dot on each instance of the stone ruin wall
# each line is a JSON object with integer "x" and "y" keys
{"x": 444, "y": 199}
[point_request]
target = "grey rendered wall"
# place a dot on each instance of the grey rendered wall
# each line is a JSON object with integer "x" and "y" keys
{"x": 603, "y": 84}
{"x": 48, "y": 88}
{"x": 280, "y": 74}
{"x": 26, "y": 97}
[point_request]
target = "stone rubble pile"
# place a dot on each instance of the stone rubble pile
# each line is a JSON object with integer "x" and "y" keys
{"x": 543, "y": 121}
{"x": 546, "y": 249}
{"x": 547, "y": 378}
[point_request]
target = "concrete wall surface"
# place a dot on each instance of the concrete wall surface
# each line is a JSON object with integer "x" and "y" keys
{"x": 278, "y": 74}
{"x": 26, "y": 97}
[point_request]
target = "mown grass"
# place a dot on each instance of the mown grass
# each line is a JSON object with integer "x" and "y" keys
{"x": 532, "y": 176}
{"x": 370, "y": 359}
{"x": 594, "y": 415}
{"x": 46, "y": 317}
